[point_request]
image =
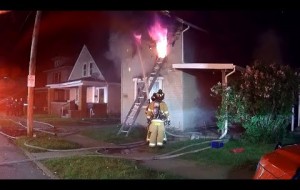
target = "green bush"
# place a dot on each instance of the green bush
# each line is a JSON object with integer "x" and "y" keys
{"x": 261, "y": 100}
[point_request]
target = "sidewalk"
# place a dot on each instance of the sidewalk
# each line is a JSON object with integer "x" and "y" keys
{"x": 15, "y": 165}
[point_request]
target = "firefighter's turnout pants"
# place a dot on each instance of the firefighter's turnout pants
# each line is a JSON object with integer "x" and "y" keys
{"x": 156, "y": 133}
{"x": 148, "y": 135}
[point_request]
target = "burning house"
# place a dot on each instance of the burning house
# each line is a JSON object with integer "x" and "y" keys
{"x": 156, "y": 61}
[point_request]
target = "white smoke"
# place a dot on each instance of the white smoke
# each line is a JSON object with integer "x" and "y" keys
{"x": 121, "y": 43}
{"x": 123, "y": 47}
{"x": 120, "y": 48}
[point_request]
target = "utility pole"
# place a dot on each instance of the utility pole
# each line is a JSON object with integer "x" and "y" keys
{"x": 31, "y": 75}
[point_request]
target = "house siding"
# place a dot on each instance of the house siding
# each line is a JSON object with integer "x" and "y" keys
{"x": 172, "y": 83}
{"x": 199, "y": 106}
{"x": 132, "y": 68}
{"x": 65, "y": 72}
{"x": 114, "y": 100}
{"x": 84, "y": 58}
{"x": 172, "y": 86}
{"x": 72, "y": 93}
{"x": 90, "y": 93}
{"x": 127, "y": 94}
{"x": 190, "y": 95}
{"x": 187, "y": 91}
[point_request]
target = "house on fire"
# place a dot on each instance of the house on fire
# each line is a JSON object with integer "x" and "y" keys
{"x": 81, "y": 90}
{"x": 187, "y": 86}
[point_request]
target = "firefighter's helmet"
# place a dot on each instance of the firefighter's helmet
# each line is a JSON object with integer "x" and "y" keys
{"x": 160, "y": 95}
{"x": 153, "y": 97}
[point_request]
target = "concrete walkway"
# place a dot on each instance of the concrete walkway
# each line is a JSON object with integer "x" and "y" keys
{"x": 12, "y": 165}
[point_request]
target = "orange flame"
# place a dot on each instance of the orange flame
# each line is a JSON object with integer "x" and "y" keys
{"x": 159, "y": 35}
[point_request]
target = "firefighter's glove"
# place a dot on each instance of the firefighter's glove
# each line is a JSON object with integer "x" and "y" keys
{"x": 148, "y": 121}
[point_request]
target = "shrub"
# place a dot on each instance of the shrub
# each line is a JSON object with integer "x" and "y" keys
{"x": 261, "y": 100}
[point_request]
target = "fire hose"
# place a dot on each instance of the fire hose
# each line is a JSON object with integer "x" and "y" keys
{"x": 100, "y": 149}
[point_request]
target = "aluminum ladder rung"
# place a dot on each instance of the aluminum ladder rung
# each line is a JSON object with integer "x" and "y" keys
{"x": 140, "y": 100}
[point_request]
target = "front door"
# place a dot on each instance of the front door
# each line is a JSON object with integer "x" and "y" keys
{"x": 99, "y": 95}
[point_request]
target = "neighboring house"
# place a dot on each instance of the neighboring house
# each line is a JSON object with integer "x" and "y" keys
{"x": 186, "y": 85}
{"x": 81, "y": 90}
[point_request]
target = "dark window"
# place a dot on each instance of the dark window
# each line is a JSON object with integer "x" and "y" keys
{"x": 59, "y": 95}
{"x": 101, "y": 95}
{"x": 91, "y": 69}
{"x": 84, "y": 70}
{"x": 57, "y": 77}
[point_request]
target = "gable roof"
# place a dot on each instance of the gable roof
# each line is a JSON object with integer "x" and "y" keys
{"x": 85, "y": 57}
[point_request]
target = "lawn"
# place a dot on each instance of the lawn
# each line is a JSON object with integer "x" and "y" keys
{"x": 110, "y": 168}
{"x": 93, "y": 167}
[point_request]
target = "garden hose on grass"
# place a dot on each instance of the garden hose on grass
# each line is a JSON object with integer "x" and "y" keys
{"x": 120, "y": 147}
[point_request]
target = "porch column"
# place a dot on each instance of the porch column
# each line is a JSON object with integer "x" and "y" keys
{"x": 223, "y": 77}
{"x": 50, "y": 98}
{"x": 82, "y": 101}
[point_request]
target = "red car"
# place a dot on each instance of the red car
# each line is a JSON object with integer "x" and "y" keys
{"x": 282, "y": 163}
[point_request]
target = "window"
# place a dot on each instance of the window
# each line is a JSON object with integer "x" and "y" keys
{"x": 101, "y": 95}
{"x": 57, "y": 77}
{"x": 156, "y": 86}
{"x": 84, "y": 71}
{"x": 59, "y": 95}
{"x": 91, "y": 69}
{"x": 139, "y": 85}
{"x": 58, "y": 63}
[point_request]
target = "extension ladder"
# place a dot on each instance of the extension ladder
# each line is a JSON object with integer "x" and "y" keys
{"x": 140, "y": 100}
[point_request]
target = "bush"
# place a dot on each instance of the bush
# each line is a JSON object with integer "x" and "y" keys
{"x": 261, "y": 100}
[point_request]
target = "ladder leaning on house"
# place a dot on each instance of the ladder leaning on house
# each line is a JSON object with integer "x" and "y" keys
{"x": 141, "y": 98}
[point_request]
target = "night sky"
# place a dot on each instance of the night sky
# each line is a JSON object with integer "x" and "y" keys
{"x": 235, "y": 36}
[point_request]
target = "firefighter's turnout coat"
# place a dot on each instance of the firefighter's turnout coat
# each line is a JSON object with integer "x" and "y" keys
{"x": 157, "y": 112}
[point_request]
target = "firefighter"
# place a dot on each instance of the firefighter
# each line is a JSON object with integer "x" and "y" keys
{"x": 161, "y": 96}
{"x": 153, "y": 97}
{"x": 167, "y": 122}
{"x": 157, "y": 113}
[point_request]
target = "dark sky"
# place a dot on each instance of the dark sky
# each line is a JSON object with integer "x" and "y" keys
{"x": 233, "y": 36}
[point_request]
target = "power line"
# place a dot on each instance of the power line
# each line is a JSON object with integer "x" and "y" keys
{"x": 167, "y": 13}
{"x": 25, "y": 21}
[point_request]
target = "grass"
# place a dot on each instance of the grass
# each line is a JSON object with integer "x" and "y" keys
{"x": 109, "y": 168}
{"x": 225, "y": 156}
{"x": 108, "y": 133}
{"x": 58, "y": 121}
{"x": 221, "y": 156}
{"x": 5, "y": 122}
{"x": 12, "y": 129}
{"x": 210, "y": 157}
{"x": 46, "y": 141}
{"x": 102, "y": 168}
